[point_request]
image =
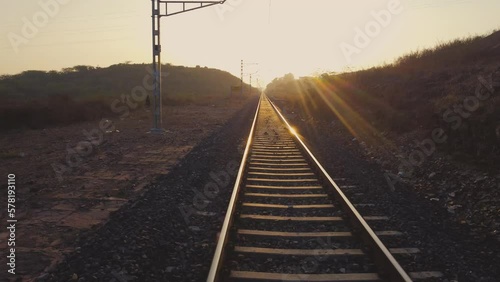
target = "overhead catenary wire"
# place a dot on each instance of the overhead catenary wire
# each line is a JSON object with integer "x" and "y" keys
{"x": 269, "y": 13}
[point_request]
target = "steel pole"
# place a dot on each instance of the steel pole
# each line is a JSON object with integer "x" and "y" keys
{"x": 156, "y": 19}
{"x": 241, "y": 80}
{"x": 157, "y": 103}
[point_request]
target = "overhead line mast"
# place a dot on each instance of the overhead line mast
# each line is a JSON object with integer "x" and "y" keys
{"x": 160, "y": 9}
{"x": 243, "y": 74}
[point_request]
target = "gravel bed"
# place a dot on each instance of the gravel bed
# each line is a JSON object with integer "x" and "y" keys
{"x": 162, "y": 236}
{"x": 303, "y": 264}
{"x": 287, "y": 201}
{"x": 299, "y": 243}
{"x": 291, "y": 212}
{"x": 457, "y": 250}
{"x": 151, "y": 239}
{"x": 274, "y": 191}
{"x": 288, "y": 226}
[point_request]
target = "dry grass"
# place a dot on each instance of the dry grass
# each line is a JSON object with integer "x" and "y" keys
{"x": 37, "y": 99}
{"x": 410, "y": 95}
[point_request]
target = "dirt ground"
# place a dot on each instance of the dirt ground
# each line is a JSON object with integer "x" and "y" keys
{"x": 96, "y": 176}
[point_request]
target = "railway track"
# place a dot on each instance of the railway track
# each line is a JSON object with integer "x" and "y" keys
{"x": 288, "y": 220}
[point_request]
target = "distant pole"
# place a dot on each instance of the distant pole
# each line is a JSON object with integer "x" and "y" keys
{"x": 243, "y": 74}
{"x": 160, "y": 9}
{"x": 250, "y": 84}
{"x": 241, "y": 80}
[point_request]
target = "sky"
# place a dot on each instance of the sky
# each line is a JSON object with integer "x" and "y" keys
{"x": 273, "y": 37}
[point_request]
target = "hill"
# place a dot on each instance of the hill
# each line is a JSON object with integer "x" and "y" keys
{"x": 453, "y": 87}
{"x": 36, "y": 99}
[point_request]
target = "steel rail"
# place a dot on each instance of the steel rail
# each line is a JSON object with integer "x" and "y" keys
{"x": 387, "y": 265}
{"x": 216, "y": 266}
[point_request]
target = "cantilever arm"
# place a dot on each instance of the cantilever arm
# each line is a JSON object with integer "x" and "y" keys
{"x": 202, "y": 4}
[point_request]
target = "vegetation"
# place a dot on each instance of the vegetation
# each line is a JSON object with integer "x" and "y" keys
{"x": 419, "y": 92}
{"x": 36, "y": 99}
